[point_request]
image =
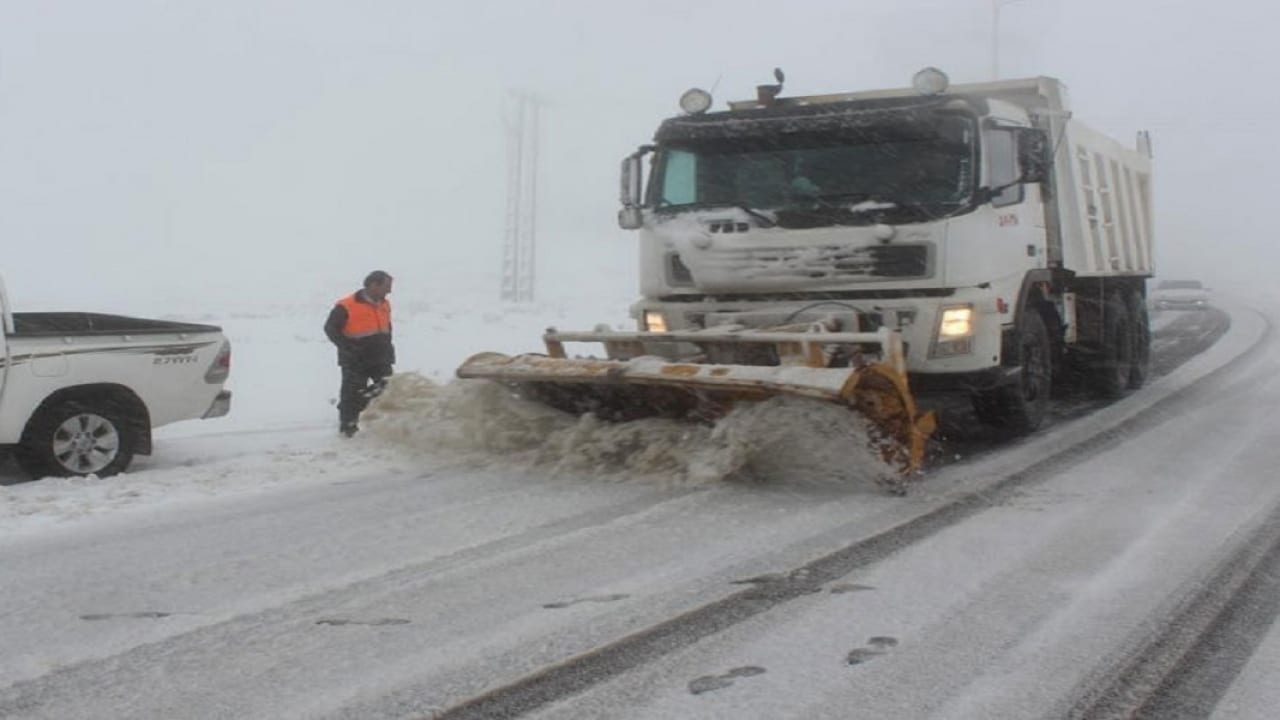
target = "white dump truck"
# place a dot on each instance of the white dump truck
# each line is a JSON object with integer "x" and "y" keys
{"x": 80, "y": 392}
{"x": 975, "y": 237}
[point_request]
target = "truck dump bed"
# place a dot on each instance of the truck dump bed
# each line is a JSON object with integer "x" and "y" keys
{"x": 1109, "y": 186}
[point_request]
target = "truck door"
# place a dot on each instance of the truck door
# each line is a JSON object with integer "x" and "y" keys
{"x": 1019, "y": 209}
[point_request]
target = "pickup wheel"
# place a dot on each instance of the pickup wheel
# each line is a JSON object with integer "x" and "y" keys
{"x": 1021, "y": 407}
{"x": 76, "y": 439}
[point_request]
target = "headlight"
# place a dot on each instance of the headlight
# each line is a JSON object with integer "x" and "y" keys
{"x": 655, "y": 321}
{"x": 955, "y": 332}
{"x": 956, "y": 322}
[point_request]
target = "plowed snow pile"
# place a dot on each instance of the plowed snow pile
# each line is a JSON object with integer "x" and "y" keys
{"x": 782, "y": 439}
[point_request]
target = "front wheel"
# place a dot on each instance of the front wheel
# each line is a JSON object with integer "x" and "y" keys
{"x": 1022, "y": 406}
{"x": 75, "y": 439}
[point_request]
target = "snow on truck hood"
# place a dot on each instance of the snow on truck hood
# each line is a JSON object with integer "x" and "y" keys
{"x": 728, "y": 250}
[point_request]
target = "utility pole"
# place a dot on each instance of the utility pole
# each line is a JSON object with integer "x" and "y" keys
{"x": 519, "y": 249}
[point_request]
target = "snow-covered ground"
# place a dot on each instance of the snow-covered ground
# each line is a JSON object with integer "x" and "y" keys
{"x": 262, "y": 566}
{"x": 282, "y": 426}
{"x": 281, "y": 432}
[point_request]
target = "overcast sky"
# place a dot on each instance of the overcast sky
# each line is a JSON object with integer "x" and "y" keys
{"x": 276, "y": 150}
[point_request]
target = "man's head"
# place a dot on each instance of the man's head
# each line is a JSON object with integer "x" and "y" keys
{"x": 377, "y": 285}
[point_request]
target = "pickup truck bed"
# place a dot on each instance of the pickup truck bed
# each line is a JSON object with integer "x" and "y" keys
{"x": 45, "y": 324}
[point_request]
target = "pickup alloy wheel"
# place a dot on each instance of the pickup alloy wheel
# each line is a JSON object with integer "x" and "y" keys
{"x": 74, "y": 439}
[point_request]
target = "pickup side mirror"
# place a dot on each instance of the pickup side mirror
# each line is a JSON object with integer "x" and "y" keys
{"x": 630, "y": 189}
{"x": 1035, "y": 156}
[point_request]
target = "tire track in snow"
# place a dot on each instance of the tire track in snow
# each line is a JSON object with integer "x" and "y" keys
{"x": 1183, "y": 670}
{"x": 96, "y": 674}
{"x": 581, "y": 672}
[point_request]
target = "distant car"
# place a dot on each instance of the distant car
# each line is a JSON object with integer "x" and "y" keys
{"x": 1180, "y": 295}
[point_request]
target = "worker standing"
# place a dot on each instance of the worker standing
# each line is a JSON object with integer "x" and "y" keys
{"x": 360, "y": 326}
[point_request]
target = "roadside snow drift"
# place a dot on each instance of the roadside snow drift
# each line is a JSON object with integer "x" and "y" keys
{"x": 765, "y": 441}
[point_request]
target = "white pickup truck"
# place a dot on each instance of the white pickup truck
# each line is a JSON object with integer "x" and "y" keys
{"x": 80, "y": 392}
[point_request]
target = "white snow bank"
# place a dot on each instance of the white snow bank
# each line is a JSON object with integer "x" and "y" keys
{"x": 757, "y": 441}
{"x": 194, "y": 470}
{"x": 418, "y": 425}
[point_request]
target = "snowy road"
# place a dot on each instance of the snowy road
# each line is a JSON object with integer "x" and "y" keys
{"x": 298, "y": 577}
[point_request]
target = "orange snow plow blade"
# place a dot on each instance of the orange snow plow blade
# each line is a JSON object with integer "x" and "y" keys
{"x": 631, "y": 385}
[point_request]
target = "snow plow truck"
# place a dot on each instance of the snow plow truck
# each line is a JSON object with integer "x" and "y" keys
{"x": 871, "y": 249}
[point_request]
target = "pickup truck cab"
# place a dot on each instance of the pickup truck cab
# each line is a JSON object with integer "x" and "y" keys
{"x": 81, "y": 392}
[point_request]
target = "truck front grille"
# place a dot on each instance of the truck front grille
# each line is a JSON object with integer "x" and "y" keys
{"x": 830, "y": 262}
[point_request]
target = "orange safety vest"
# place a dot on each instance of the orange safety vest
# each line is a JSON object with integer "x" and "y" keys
{"x": 365, "y": 319}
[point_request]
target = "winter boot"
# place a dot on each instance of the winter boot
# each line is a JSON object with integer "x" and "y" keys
{"x": 374, "y": 390}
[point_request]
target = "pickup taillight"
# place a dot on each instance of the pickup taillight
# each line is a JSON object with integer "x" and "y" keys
{"x": 221, "y": 366}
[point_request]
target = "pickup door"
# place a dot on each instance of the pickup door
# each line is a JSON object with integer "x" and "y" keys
{"x": 82, "y": 391}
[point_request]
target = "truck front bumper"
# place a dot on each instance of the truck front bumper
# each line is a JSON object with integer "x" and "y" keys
{"x": 220, "y": 406}
{"x": 965, "y": 383}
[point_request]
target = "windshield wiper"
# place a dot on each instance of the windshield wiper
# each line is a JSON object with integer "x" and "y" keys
{"x": 765, "y": 220}
{"x": 868, "y": 203}
{"x": 929, "y": 210}
{"x": 842, "y": 198}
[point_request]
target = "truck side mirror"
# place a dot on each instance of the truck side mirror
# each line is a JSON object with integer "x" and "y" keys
{"x": 630, "y": 188}
{"x": 630, "y": 218}
{"x": 629, "y": 191}
{"x": 1034, "y": 155}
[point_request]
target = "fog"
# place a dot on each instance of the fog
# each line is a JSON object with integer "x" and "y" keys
{"x": 171, "y": 155}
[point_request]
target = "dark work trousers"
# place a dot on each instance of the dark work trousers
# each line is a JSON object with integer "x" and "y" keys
{"x": 351, "y": 397}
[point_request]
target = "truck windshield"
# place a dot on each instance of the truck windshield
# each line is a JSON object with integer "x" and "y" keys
{"x": 853, "y": 177}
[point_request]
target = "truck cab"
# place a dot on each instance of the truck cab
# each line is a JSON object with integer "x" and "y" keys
{"x": 968, "y": 219}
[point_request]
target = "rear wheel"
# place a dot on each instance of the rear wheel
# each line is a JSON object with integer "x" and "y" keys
{"x": 1021, "y": 407}
{"x": 1140, "y": 323}
{"x": 72, "y": 438}
{"x": 1115, "y": 364}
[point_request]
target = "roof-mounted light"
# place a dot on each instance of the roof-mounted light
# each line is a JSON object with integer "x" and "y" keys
{"x": 695, "y": 101}
{"x": 930, "y": 81}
